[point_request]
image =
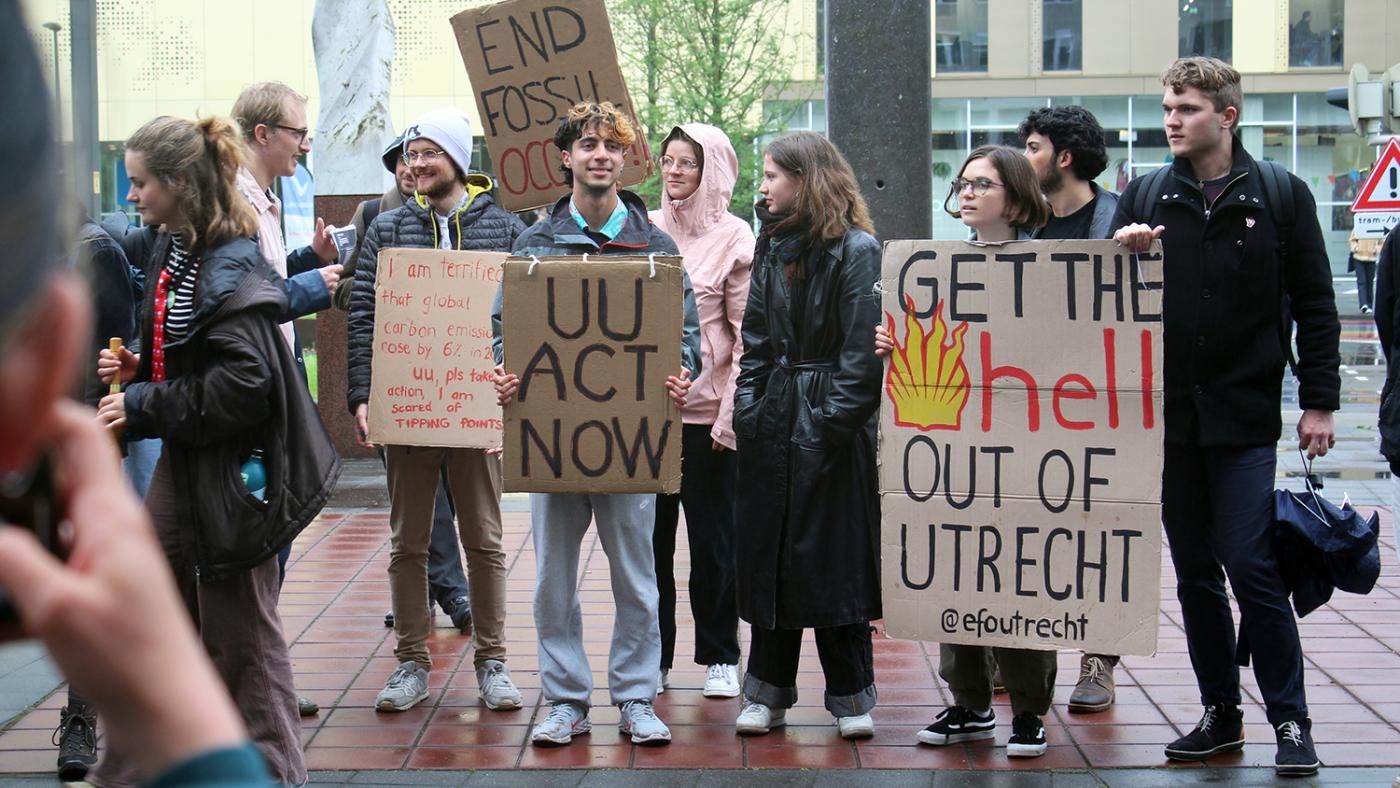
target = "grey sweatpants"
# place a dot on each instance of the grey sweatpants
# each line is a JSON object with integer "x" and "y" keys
{"x": 625, "y": 524}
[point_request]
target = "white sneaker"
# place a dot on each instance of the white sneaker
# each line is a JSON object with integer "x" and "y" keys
{"x": 640, "y": 722}
{"x": 560, "y": 726}
{"x": 497, "y": 691}
{"x": 406, "y": 687}
{"x": 721, "y": 681}
{"x": 858, "y": 727}
{"x": 662, "y": 682}
{"x": 756, "y": 719}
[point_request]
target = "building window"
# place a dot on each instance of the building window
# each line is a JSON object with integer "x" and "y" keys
{"x": 1315, "y": 33}
{"x": 821, "y": 37}
{"x": 1204, "y": 28}
{"x": 960, "y": 35}
{"x": 1062, "y": 25}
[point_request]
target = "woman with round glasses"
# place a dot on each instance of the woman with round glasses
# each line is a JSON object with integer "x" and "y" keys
{"x": 998, "y": 197}
{"x": 698, "y": 172}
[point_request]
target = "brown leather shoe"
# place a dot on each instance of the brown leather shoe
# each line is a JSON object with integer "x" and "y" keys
{"x": 1094, "y": 692}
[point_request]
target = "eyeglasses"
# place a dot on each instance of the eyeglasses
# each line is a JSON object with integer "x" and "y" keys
{"x": 301, "y": 133}
{"x": 679, "y": 165}
{"x": 425, "y": 156}
{"x": 979, "y": 186}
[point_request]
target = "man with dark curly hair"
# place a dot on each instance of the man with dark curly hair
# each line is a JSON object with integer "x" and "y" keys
{"x": 1065, "y": 146}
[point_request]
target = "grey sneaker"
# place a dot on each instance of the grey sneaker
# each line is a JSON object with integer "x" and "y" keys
{"x": 639, "y": 721}
{"x": 564, "y": 722}
{"x": 405, "y": 688}
{"x": 498, "y": 692}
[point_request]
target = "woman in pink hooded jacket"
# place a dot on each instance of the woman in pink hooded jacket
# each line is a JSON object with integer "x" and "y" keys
{"x": 698, "y": 172}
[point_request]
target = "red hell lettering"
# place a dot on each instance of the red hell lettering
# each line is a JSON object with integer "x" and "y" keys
{"x": 990, "y": 373}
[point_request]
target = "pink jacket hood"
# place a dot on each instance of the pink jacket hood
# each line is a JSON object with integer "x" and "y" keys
{"x": 717, "y": 248}
{"x": 698, "y": 213}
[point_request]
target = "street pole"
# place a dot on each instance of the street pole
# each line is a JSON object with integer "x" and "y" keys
{"x": 879, "y": 75}
{"x": 86, "y": 158}
{"x": 54, "y": 27}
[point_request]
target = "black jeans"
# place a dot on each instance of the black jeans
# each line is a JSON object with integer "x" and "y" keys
{"x": 847, "y": 662}
{"x": 707, "y": 493}
{"x": 1217, "y": 509}
{"x": 1365, "y": 282}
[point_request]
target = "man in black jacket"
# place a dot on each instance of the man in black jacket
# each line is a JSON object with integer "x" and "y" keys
{"x": 1228, "y": 268}
{"x": 453, "y": 209}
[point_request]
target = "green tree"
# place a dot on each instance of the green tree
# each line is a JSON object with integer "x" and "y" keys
{"x": 710, "y": 61}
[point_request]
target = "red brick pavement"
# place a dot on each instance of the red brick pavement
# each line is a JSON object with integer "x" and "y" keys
{"x": 336, "y": 595}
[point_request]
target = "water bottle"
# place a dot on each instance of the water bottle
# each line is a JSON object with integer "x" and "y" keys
{"x": 254, "y": 474}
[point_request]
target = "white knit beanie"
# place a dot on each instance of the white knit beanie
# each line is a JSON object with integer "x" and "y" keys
{"x": 450, "y": 128}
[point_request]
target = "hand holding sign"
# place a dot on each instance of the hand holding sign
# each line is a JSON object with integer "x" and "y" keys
{"x": 678, "y": 386}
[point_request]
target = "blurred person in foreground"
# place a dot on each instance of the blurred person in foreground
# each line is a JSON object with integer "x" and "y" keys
{"x": 110, "y": 616}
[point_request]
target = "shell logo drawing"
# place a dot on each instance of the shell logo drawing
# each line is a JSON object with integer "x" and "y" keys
{"x": 927, "y": 380}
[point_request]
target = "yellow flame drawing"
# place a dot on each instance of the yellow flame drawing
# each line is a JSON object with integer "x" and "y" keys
{"x": 927, "y": 380}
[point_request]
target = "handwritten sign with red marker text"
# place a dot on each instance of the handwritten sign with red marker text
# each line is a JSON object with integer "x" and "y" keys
{"x": 431, "y": 381}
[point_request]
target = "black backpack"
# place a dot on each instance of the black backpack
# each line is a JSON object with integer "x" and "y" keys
{"x": 1278, "y": 196}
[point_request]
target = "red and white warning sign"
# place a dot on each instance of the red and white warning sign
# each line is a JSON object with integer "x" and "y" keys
{"x": 1377, "y": 204}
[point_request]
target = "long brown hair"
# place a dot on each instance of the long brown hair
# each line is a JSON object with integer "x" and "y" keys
{"x": 829, "y": 202}
{"x": 198, "y": 162}
{"x": 1025, "y": 208}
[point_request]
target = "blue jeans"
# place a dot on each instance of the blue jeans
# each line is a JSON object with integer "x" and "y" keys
{"x": 140, "y": 463}
{"x": 1218, "y": 512}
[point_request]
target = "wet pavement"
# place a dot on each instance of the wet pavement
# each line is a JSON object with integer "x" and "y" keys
{"x": 336, "y": 596}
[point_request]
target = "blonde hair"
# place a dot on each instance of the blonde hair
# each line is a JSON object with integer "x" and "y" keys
{"x": 265, "y": 103}
{"x": 1216, "y": 79}
{"x": 198, "y": 161}
{"x": 829, "y": 202}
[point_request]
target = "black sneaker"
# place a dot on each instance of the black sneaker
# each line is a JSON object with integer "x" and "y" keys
{"x": 460, "y": 611}
{"x": 958, "y": 724}
{"x": 1296, "y": 755}
{"x": 1221, "y": 729}
{"x": 76, "y": 739}
{"x": 1027, "y": 736}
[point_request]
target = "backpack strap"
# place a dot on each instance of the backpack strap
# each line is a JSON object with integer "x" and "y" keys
{"x": 1146, "y": 193}
{"x": 1278, "y": 194}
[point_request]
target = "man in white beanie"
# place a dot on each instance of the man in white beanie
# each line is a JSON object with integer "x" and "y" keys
{"x": 451, "y": 209}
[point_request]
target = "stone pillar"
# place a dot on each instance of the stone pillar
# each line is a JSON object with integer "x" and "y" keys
{"x": 354, "y": 45}
{"x": 878, "y": 112}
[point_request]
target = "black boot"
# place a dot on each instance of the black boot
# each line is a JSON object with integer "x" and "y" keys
{"x": 76, "y": 739}
{"x": 1221, "y": 729}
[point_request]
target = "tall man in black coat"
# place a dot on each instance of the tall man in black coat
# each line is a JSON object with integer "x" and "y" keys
{"x": 1228, "y": 268}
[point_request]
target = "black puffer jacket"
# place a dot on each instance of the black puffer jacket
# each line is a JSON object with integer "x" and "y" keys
{"x": 232, "y": 386}
{"x": 480, "y": 225}
{"x": 807, "y": 514}
{"x": 1222, "y": 306}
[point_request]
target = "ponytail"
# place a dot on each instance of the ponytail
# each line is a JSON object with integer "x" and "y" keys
{"x": 198, "y": 162}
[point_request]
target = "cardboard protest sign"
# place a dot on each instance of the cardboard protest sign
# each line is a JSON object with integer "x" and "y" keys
{"x": 593, "y": 342}
{"x": 1021, "y": 444}
{"x": 529, "y": 61}
{"x": 431, "y": 374}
